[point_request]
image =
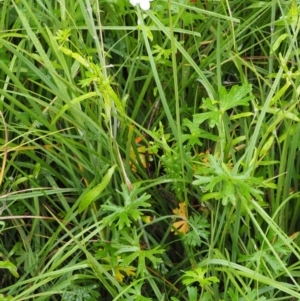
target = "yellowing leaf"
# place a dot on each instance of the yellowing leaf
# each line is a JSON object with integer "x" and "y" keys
{"x": 182, "y": 226}
{"x": 138, "y": 152}
{"x": 141, "y": 150}
{"x": 147, "y": 219}
{"x": 117, "y": 269}
{"x": 129, "y": 271}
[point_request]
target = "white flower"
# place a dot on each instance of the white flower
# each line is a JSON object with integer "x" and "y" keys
{"x": 144, "y": 4}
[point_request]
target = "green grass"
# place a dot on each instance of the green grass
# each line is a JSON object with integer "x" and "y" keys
{"x": 150, "y": 160}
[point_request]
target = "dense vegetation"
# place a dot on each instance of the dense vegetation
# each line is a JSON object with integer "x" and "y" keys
{"x": 149, "y": 155}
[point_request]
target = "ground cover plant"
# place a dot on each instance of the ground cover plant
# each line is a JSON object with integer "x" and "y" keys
{"x": 149, "y": 150}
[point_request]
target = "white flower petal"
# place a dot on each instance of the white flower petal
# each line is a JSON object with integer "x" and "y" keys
{"x": 145, "y": 4}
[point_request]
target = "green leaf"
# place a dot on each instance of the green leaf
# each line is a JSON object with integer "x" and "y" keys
{"x": 265, "y": 255}
{"x": 200, "y": 118}
{"x": 142, "y": 255}
{"x": 94, "y": 193}
{"x": 6, "y": 264}
{"x": 148, "y": 31}
{"x": 223, "y": 182}
{"x": 207, "y": 297}
{"x": 253, "y": 296}
{"x": 137, "y": 293}
{"x": 79, "y": 58}
{"x": 81, "y": 293}
{"x": 133, "y": 247}
{"x": 123, "y": 215}
{"x": 202, "y": 180}
{"x": 278, "y": 42}
{"x": 283, "y": 114}
{"x": 270, "y": 162}
{"x": 211, "y": 195}
{"x": 192, "y": 293}
{"x": 197, "y": 275}
{"x": 241, "y": 115}
{"x": 228, "y": 194}
{"x": 236, "y": 96}
{"x": 5, "y": 298}
{"x": 196, "y": 132}
{"x": 209, "y": 104}
{"x": 198, "y": 232}
{"x": 267, "y": 146}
